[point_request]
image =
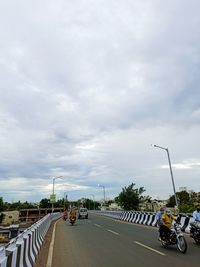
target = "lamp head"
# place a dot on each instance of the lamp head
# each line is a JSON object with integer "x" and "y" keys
{"x": 58, "y": 177}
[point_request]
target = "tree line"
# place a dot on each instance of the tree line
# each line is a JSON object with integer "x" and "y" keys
{"x": 130, "y": 198}
{"x": 45, "y": 203}
{"x": 187, "y": 202}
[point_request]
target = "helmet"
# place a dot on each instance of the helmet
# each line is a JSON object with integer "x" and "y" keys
{"x": 168, "y": 211}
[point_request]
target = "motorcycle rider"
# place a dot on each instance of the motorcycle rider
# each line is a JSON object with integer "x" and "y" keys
{"x": 159, "y": 220}
{"x": 195, "y": 225}
{"x": 167, "y": 219}
{"x": 72, "y": 213}
{"x": 196, "y": 222}
{"x": 65, "y": 214}
{"x": 196, "y": 214}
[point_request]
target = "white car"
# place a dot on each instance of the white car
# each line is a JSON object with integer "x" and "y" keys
{"x": 83, "y": 213}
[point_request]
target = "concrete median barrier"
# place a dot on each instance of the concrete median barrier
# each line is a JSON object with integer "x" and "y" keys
{"x": 22, "y": 251}
{"x": 146, "y": 218}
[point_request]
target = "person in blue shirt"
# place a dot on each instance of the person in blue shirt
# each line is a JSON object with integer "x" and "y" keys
{"x": 196, "y": 214}
{"x": 160, "y": 221}
{"x": 196, "y": 222}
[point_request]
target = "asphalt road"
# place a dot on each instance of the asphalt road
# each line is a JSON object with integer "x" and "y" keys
{"x": 105, "y": 242}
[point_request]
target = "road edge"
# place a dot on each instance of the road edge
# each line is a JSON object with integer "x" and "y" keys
{"x": 50, "y": 253}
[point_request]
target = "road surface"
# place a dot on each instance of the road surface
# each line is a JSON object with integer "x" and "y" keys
{"x": 106, "y": 242}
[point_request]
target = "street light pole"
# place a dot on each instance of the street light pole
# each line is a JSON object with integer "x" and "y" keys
{"x": 54, "y": 178}
{"x": 65, "y": 198}
{"x": 93, "y": 202}
{"x": 104, "y": 193}
{"x": 170, "y": 167}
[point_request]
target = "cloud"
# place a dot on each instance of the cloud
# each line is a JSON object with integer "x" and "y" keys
{"x": 184, "y": 165}
{"x": 87, "y": 87}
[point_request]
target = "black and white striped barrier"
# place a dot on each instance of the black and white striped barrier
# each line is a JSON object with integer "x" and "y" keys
{"x": 3, "y": 258}
{"x": 146, "y": 218}
{"x": 110, "y": 213}
{"x": 22, "y": 251}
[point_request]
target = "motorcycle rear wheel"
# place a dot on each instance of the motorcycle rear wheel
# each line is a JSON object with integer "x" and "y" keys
{"x": 182, "y": 244}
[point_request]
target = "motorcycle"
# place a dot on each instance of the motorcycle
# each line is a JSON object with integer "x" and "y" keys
{"x": 72, "y": 220}
{"x": 195, "y": 232}
{"x": 64, "y": 217}
{"x": 175, "y": 238}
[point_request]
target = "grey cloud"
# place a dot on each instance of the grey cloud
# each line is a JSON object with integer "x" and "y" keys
{"x": 87, "y": 87}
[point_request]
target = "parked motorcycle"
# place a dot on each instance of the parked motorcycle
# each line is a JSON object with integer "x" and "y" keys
{"x": 175, "y": 238}
{"x": 72, "y": 220}
{"x": 195, "y": 232}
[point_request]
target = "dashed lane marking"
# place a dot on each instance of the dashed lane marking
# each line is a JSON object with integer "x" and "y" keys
{"x": 149, "y": 248}
{"x": 97, "y": 225}
{"x": 115, "y": 233}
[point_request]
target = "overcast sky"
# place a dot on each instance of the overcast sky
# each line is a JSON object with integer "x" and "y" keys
{"x": 86, "y": 86}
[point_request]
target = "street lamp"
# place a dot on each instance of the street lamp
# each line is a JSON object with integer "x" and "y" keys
{"x": 54, "y": 178}
{"x": 104, "y": 193}
{"x": 93, "y": 201}
{"x": 65, "y": 198}
{"x": 170, "y": 167}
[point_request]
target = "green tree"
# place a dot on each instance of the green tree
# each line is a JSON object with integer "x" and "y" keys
{"x": 28, "y": 205}
{"x": 1, "y": 204}
{"x": 183, "y": 197}
{"x": 186, "y": 201}
{"x": 15, "y": 205}
{"x": 88, "y": 204}
{"x": 59, "y": 203}
{"x": 45, "y": 203}
{"x": 195, "y": 198}
{"x": 130, "y": 198}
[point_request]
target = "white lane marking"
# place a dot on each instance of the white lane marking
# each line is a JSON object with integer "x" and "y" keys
{"x": 97, "y": 225}
{"x": 154, "y": 250}
{"x": 50, "y": 254}
{"x": 115, "y": 233}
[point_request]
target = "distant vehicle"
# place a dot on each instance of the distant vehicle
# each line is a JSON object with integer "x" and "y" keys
{"x": 83, "y": 213}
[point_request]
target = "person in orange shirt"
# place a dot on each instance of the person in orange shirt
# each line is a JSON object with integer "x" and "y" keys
{"x": 72, "y": 213}
{"x": 65, "y": 214}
